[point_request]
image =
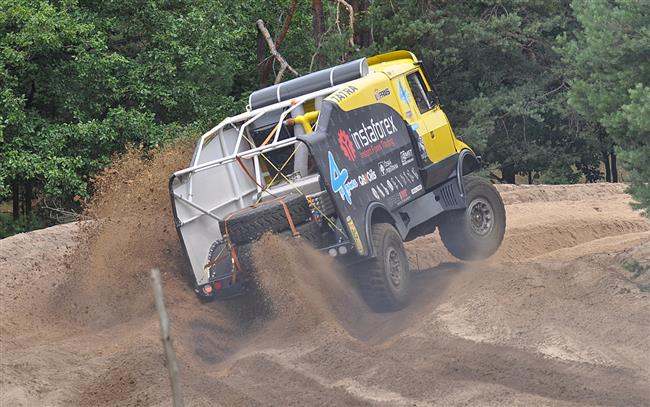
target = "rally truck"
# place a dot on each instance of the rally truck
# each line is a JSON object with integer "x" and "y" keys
{"x": 355, "y": 160}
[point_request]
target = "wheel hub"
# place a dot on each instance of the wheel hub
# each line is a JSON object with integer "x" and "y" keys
{"x": 481, "y": 216}
{"x": 394, "y": 267}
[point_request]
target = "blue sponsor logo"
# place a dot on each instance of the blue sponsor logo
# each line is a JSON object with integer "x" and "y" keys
{"x": 339, "y": 179}
{"x": 404, "y": 94}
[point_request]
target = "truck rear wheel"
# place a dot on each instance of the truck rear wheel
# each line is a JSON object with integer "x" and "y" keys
{"x": 385, "y": 280}
{"x": 476, "y": 232}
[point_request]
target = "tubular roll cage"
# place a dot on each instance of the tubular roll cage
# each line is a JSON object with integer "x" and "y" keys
{"x": 254, "y": 153}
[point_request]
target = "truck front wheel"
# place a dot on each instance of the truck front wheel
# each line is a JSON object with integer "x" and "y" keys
{"x": 385, "y": 280}
{"x": 476, "y": 232}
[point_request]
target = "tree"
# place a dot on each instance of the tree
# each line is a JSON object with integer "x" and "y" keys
{"x": 80, "y": 80}
{"x": 498, "y": 75}
{"x": 608, "y": 55}
{"x": 34, "y": 37}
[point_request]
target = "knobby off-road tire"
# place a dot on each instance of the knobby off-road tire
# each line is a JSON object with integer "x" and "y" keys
{"x": 252, "y": 223}
{"x": 385, "y": 280}
{"x": 476, "y": 232}
{"x": 309, "y": 231}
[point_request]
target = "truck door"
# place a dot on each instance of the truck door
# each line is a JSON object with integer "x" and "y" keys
{"x": 432, "y": 123}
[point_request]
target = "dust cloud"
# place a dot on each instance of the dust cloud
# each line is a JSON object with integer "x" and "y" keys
{"x": 547, "y": 320}
{"x": 131, "y": 231}
{"x": 303, "y": 287}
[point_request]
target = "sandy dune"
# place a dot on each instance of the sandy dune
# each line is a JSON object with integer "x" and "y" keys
{"x": 552, "y": 319}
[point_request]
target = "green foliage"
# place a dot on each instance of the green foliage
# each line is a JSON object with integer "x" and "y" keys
{"x": 496, "y": 69}
{"x": 80, "y": 79}
{"x": 560, "y": 172}
{"x": 637, "y": 269}
{"x": 608, "y": 55}
{"x": 9, "y": 227}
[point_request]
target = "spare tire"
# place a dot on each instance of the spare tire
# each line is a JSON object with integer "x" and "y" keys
{"x": 249, "y": 224}
{"x": 309, "y": 231}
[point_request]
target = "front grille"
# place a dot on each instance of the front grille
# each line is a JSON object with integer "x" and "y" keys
{"x": 448, "y": 197}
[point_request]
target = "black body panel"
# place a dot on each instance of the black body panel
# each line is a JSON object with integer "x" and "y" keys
{"x": 437, "y": 173}
{"x": 364, "y": 156}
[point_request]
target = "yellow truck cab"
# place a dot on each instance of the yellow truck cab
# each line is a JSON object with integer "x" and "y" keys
{"x": 397, "y": 80}
{"x": 355, "y": 160}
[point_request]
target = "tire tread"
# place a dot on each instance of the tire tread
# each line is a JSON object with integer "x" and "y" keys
{"x": 456, "y": 239}
{"x": 372, "y": 278}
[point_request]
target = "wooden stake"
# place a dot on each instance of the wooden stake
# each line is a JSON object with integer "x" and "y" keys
{"x": 172, "y": 366}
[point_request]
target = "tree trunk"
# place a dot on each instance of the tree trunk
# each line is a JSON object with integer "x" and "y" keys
{"x": 614, "y": 168}
{"x": 15, "y": 198}
{"x": 530, "y": 177}
{"x": 317, "y": 31}
{"x": 28, "y": 198}
{"x": 363, "y": 36}
{"x": 608, "y": 173}
{"x": 508, "y": 173}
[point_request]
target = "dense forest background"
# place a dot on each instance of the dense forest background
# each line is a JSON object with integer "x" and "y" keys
{"x": 554, "y": 91}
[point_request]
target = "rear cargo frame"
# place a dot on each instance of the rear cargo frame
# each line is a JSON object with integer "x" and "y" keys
{"x": 182, "y": 184}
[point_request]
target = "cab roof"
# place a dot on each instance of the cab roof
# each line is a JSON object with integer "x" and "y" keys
{"x": 393, "y": 63}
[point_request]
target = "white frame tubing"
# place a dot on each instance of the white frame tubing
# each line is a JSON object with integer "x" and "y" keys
{"x": 248, "y": 118}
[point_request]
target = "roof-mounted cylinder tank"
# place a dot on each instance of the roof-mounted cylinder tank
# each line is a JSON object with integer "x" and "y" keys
{"x": 309, "y": 83}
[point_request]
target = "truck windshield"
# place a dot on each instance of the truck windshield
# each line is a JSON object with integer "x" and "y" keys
{"x": 418, "y": 90}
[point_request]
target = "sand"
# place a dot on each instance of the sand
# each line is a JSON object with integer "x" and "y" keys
{"x": 552, "y": 319}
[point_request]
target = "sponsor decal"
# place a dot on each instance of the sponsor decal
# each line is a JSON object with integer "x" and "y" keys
{"x": 375, "y": 193}
{"x": 404, "y": 94}
{"x": 340, "y": 95}
{"x": 385, "y": 144}
{"x": 339, "y": 180}
{"x": 386, "y": 167}
{"x": 410, "y": 176}
{"x": 403, "y": 194}
{"x": 415, "y": 127}
{"x": 406, "y": 156}
{"x": 367, "y": 177}
{"x": 380, "y": 94}
{"x": 380, "y": 191}
{"x": 346, "y": 145}
{"x": 369, "y": 139}
{"x": 416, "y": 189}
{"x": 409, "y": 114}
{"x": 355, "y": 235}
{"x": 373, "y": 132}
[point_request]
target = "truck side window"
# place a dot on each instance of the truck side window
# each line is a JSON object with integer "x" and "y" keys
{"x": 419, "y": 91}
